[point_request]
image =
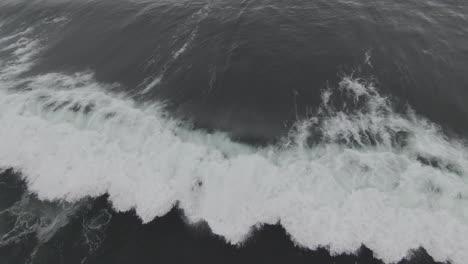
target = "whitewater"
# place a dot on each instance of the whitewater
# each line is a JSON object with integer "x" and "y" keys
{"x": 350, "y": 174}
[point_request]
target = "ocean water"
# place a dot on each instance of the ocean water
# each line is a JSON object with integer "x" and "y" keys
{"x": 227, "y": 131}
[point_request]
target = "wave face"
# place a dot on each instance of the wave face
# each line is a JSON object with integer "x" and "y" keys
{"x": 336, "y": 157}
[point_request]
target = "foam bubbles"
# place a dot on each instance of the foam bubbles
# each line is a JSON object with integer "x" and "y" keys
{"x": 351, "y": 174}
{"x": 29, "y": 216}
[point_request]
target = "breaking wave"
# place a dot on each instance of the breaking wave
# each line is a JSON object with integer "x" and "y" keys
{"x": 354, "y": 172}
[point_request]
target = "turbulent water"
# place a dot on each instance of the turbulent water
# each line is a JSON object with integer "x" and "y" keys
{"x": 343, "y": 121}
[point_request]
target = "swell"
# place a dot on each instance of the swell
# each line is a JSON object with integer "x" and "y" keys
{"x": 250, "y": 68}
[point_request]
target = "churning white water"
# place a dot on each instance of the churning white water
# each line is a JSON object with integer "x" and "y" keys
{"x": 391, "y": 181}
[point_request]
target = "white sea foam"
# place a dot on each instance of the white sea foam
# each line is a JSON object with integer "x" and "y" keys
{"x": 390, "y": 181}
{"x": 152, "y": 84}
{"x": 190, "y": 28}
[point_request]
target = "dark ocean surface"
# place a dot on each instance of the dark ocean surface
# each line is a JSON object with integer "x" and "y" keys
{"x": 233, "y": 131}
